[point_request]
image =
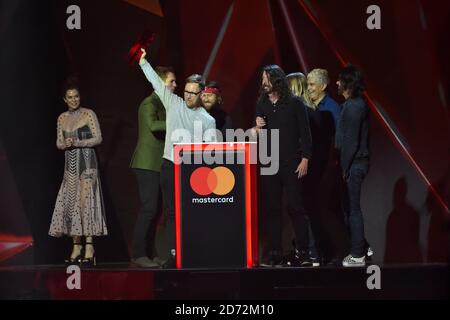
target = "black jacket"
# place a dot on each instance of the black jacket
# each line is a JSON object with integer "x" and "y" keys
{"x": 323, "y": 133}
{"x": 291, "y": 118}
{"x": 223, "y": 120}
{"x": 352, "y": 134}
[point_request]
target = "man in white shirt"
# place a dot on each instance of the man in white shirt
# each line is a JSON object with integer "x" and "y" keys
{"x": 182, "y": 114}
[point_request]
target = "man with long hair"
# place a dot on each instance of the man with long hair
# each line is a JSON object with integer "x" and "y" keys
{"x": 278, "y": 109}
{"x": 352, "y": 142}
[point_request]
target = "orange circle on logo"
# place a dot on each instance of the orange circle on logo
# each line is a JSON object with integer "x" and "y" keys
{"x": 219, "y": 181}
{"x": 225, "y": 181}
{"x": 211, "y": 180}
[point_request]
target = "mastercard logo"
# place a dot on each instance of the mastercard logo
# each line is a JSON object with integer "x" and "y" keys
{"x": 219, "y": 181}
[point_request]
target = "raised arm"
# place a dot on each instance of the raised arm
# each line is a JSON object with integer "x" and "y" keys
{"x": 167, "y": 98}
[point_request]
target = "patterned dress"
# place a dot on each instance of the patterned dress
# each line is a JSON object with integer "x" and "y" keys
{"x": 79, "y": 208}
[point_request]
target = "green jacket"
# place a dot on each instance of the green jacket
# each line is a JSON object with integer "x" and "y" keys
{"x": 152, "y": 130}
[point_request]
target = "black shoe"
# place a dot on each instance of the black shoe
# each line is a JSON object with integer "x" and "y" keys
{"x": 91, "y": 261}
{"x": 78, "y": 258}
{"x": 274, "y": 259}
{"x": 287, "y": 259}
{"x": 170, "y": 263}
{"x": 301, "y": 259}
{"x": 334, "y": 262}
{"x": 316, "y": 261}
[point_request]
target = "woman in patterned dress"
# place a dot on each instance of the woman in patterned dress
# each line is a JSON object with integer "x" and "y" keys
{"x": 79, "y": 210}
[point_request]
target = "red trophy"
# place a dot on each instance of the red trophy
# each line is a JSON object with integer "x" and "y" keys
{"x": 144, "y": 41}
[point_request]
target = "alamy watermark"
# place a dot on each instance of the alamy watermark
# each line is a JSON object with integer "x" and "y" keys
{"x": 374, "y": 280}
{"x": 74, "y": 280}
{"x": 374, "y": 20}
{"x": 73, "y": 21}
{"x": 268, "y": 142}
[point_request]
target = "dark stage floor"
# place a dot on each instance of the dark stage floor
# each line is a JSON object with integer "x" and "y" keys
{"x": 123, "y": 281}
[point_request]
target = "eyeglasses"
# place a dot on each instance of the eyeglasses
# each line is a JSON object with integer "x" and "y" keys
{"x": 189, "y": 93}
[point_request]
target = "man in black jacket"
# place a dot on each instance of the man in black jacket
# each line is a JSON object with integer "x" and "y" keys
{"x": 352, "y": 143}
{"x": 278, "y": 109}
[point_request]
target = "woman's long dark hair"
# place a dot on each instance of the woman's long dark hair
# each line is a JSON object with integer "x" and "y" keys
{"x": 279, "y": 83}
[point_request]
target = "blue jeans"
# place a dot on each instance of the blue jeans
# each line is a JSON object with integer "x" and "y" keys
{"x": 354, "y": 216}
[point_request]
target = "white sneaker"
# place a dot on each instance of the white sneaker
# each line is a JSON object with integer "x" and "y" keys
{"x": 350, "y": 261}
{"x": 315, "y": 261}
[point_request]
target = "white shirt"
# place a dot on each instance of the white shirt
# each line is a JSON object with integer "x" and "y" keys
{"x": 180, "y": 116}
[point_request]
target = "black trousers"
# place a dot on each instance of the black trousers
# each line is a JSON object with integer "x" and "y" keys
{"x": 145, "y": 227}
{"x": 168, "y": 191}
{"x": 273, "y": 186}
{"x": 313, "y": 199}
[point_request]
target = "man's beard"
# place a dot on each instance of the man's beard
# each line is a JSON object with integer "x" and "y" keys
{"x": 210, "y": 106}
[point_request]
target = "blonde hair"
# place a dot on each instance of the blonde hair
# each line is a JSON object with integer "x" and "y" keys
{"x": 298, "y": 85}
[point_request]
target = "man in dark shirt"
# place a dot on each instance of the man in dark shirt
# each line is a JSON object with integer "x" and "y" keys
{"x": 328, "y": 230}
{"x": 278, "y": 109}
{"x": 352, "y": 143}
{"x": 212, "y": 102}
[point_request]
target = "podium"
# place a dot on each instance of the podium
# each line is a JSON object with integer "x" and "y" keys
{"x": 215, "y": 205}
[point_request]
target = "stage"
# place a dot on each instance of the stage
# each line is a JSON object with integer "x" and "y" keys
{"x": 122, "y": 281}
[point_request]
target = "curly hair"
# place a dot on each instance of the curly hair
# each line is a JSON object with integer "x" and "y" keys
{"x": 277, "y": 78}
{"x": 351, "y": 79}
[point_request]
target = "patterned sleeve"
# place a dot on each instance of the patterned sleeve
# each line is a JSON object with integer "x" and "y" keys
{"x": 94, "y": 126}
{"x": 59, "y": 134}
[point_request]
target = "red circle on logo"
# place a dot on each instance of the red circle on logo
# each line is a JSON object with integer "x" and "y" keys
{"x": 203, "y": 181}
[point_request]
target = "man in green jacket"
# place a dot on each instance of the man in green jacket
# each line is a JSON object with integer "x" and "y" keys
{"x": 146, "y": 164}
